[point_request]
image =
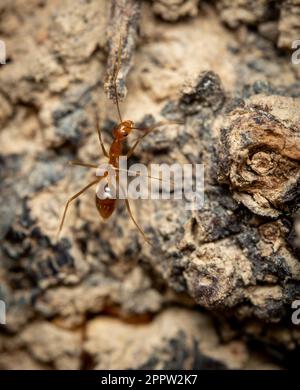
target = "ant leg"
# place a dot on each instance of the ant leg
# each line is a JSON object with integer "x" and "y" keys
{"x": 70, "y": 200}
{"x": 134, "y": 146}
{"x": 159, "y": 124}
{"x": 148, "y": 131}
{"x": 136, "y": 224}
{"x": 139, "y": 174}
{"x": 82, "y": 164}
{"x": 118, "y": 66}
{"x": 100, "y": 135}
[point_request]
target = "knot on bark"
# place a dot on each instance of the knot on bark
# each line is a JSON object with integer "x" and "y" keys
{"x": 260, "y": 158}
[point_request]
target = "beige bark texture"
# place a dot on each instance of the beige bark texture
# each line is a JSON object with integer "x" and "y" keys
{"x": 215, "y": 290}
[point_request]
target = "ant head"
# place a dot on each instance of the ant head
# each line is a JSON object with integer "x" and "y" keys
{"x": 123, "y": 130}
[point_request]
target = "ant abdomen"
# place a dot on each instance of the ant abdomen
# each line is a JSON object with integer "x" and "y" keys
{"x": 105, "y": 207}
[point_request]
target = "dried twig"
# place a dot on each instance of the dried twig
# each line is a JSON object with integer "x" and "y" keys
{"x": 122, "y": 30}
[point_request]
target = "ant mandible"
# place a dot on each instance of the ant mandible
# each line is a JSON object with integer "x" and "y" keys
{"x": 106, "y": 204}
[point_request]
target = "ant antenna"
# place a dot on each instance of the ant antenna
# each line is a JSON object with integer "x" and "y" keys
{"x": 118, "y": 66}
{"x": 100, "y": 135}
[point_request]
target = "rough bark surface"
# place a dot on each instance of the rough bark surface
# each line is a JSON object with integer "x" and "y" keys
{"x": 215, "y": 290}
